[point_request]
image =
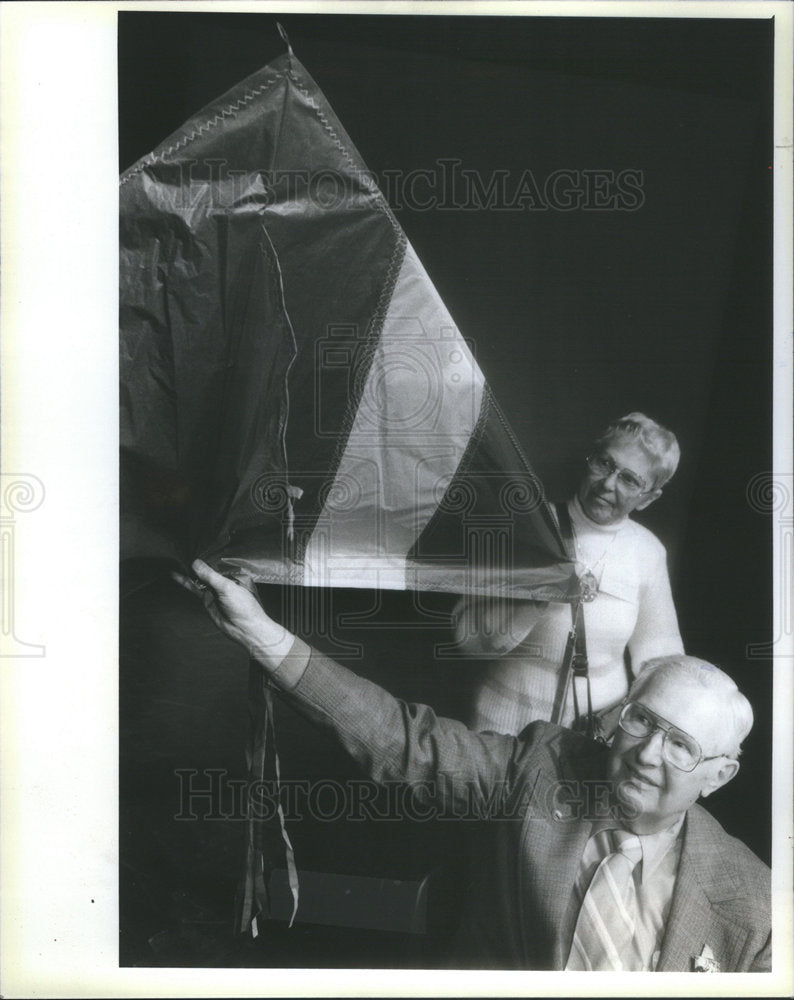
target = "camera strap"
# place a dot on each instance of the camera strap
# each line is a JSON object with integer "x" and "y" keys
{"x": 574, "y": 664}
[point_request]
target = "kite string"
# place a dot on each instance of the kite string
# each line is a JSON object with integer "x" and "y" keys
{"x": 292, "y": 492}
{"x": 285, "y": 40}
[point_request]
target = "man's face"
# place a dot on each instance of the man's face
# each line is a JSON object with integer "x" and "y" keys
{"x": 653, "y": 793}
{"x": 603, "y": 498}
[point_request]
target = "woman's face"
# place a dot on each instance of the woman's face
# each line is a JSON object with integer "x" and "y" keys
{"x": 603, "y": 497}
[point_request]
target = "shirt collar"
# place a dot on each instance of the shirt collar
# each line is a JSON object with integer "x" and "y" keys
{"x": 654, "y": 845}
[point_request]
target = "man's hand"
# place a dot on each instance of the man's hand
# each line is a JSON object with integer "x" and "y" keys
{"x": 237, "y": 612}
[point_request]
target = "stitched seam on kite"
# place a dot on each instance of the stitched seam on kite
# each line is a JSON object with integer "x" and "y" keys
{"x": 511, "y": 436}
{"x": 390, "y": 280}
{"x": 389, "y": 283}
{"x": 477, "y": 433}
{"x": 463, "y": 465}
{"x": 364, "y": 177}
{"x": 543, "y": 506}
{"x": 228, "y": 112}
{"x": 367, "y": 354}
{"x": 376, "y": 326}
{"x": 326, "y": 124}
{"x": 368, "y": 350}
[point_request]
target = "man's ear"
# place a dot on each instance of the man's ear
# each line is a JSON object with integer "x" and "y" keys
{"x": 720, "y": 777}
{"x": 648, "y": 499}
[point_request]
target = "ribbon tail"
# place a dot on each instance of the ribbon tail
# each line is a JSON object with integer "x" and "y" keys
{"x": 253, "y": 896}
{"x": 289, "y": 854}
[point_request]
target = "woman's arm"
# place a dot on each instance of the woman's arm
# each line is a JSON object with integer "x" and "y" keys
{"x": 492, "y": 626}
{"x": 656, "y": 631}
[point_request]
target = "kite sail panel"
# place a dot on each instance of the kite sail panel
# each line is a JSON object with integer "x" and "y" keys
{"x": 297, "y": 402}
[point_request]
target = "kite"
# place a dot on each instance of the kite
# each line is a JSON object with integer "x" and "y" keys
{"x": 297, "y": 404}
{"x": 296, "y": 401}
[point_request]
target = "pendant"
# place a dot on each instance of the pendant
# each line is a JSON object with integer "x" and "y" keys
{"x": 588, "y": 587}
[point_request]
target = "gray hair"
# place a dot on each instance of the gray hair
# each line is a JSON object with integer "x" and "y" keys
{"x": 659, "y": 442}
{"x": 737, "y": 709}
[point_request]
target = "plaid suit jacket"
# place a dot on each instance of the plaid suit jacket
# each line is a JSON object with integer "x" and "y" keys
{"x": 543, "y": 789}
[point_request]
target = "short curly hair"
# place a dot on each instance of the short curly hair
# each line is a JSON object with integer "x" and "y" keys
{"x": 660, "y": 443}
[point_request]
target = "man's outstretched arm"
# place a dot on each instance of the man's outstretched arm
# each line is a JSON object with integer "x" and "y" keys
{"x": 391, "y": 740}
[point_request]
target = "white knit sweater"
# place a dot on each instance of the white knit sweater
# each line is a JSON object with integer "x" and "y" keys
{"x": 632, "y": 611}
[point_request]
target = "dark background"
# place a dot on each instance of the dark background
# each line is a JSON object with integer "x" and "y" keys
{"x": 575, "y": 317}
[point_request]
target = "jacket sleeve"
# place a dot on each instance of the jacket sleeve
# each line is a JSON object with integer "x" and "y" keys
{"x": 763, "y": 960}
{"x": 392, "y": 740}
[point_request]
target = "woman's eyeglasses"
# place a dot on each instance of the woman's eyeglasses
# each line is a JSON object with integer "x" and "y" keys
{"x": 629, "y": 482}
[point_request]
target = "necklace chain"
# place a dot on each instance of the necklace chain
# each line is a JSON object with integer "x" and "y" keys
{"x": 589, "y": 583}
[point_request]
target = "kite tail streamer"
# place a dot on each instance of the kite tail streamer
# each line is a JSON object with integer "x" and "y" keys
{"x": 264, "y": 850}
{"x": 289, "y": 854}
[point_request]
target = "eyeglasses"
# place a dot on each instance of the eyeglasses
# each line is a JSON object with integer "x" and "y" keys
{"x": 630, "y": 483}
{"x": 678, "y": 748}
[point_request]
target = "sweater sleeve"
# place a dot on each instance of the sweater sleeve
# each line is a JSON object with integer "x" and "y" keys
{"x": 488, "y": 627}
{"x": 656, "y": 630}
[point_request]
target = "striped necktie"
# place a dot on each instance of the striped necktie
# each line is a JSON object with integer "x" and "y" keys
{"x": 604, "y": 935}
